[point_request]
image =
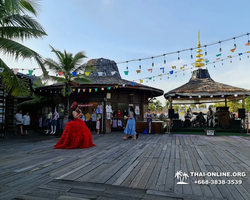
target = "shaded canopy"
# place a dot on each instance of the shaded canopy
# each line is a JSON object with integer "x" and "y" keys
{"x": 201, "y": 88}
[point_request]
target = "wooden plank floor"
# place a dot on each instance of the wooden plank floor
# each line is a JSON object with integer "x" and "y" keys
{"x": 116, "y": 169}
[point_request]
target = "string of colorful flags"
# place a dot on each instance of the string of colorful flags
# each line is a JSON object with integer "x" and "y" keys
{"x": 87, "y": 73}
{"x": 189, "y": 49}
{"x": 184, "y": 67}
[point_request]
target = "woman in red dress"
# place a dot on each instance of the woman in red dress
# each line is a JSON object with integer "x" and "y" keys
{"x": 76, "y": 133}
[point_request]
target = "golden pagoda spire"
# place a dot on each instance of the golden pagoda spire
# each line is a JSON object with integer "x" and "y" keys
{"x": 199, "y": 60}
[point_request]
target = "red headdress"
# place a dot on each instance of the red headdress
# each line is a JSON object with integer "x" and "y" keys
{"x": 73, "y": 106}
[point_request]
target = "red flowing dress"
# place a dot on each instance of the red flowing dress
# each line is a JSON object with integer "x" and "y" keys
{"x": 75, "y": 135}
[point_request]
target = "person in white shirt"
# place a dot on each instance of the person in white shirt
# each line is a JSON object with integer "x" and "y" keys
{"x": 26, "y": 122}
{"x": 19, "y": 121}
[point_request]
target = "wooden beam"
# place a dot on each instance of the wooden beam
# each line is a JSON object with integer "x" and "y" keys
{"x": 225, "y": 102}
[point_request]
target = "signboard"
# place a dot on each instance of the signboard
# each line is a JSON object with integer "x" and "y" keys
{"x": 209, "y": 132}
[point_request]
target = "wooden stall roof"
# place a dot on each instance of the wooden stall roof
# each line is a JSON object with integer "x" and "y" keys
{"x": 110, "y": 77}
{"x": 201, "y": 88}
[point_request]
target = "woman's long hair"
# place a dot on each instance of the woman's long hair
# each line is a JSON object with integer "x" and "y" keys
{"x": 73, "y": 107}
{"x": 131, "y": 108}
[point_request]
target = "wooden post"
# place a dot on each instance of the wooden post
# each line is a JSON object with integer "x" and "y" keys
{"x": 225, "y": 101}
{"x": 243, "y": 106}
{"x": 170, "y": 107}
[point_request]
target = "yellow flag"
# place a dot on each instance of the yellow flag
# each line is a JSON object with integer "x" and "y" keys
{"x": 141, "y": 81}
{"x": 86, "y": 73}
{"x": 138, "y": 71}
{"x": 90, "y": 90}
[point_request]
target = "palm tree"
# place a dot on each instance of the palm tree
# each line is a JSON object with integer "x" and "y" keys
{"x": 16, "y": 25}
{"x": 158, "y": 105}
{"x": 67, "y": 63}
{"x": 166, "y": 104}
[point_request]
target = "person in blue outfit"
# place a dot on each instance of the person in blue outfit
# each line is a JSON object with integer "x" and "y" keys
{"x": 149, "y": 129}
{"x": 130, "y": 127}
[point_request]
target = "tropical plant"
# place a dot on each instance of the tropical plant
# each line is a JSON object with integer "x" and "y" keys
{"x": 16, "y": 25}
{"x": 247, "y": 104}
{"x": 202, "y": 106}
{"x": 234, "y": 105}
{"x": 67, "y": 64}
{"x": 176, "y": 108}
{"x": 158, "y": 105}
{"x": 167, "y": 104}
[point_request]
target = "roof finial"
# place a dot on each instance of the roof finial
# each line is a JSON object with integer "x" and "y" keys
{"x": 199, "y": 60}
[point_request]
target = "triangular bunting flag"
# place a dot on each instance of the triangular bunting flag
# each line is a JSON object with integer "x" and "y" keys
{"x": 173, "y": 67}
{"x": 79, "y": 90}
{"x": 99, "y": 73}
{"x": 233, "y": 49}
{"x": 60, "y": 73}
{"x": 150, "y": 70}
{"x": 207, "y": 61}
{"x": 240, "y": 54}
{"x": 171, "y": 72}
{"x": 74, "y": 89}
{"x": 30, "y": 72}
{"x": 138, "y": 71}
{"x": 218, "y": 55}
{"x": 247, "y": 44}
{"x": 217, "y": 58}
{"x": 74, "y": 73}
{"x": 150, "y": 78}
{"x": 15, "y": 71}
{"x": 90, "y": 90}
{"x": 182, "y": 67}
{"x": 113, "y": 73}
{"x": 160, "y": 75}
{"x": 86, "y": 73}
{"x": 162, "y": 68}
{"x": 85, "y": 89}
{"x": 126, "y": 72}
{"x": 229, "y": 56}
{"x": 1, "y": 70}
{"x": 123, "y": 85}
{"x": 132, "y": 83}
{"x": 141, "y": 81}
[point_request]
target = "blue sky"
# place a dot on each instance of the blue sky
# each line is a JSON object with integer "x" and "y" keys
{"x": 122, "y": 30}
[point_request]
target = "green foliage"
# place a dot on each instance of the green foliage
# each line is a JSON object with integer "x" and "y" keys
{"x": 234, "y": 106}
{"x": 247, "y": 104}
{"x": 16, "y": 25}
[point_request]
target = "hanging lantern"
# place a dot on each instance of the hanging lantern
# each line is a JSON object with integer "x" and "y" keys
{"x": 109, "y": 88}
{"x": 164, "y": 59}
{"x": 85, "y": 89}
{"x": 96, "y": 89}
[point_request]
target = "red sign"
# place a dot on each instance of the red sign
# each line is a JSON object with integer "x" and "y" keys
{"x": 85, "y": 105}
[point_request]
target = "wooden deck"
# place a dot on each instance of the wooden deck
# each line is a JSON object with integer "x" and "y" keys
{"x": 116, "y": 169}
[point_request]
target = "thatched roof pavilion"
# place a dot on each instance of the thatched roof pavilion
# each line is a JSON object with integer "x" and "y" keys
{"x": 201, "y": 88}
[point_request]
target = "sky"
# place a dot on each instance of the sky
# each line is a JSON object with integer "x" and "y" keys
{"x": 123, "y": 30}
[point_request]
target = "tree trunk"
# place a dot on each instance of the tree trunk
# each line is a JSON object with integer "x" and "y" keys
{"x": 66, "y": 109}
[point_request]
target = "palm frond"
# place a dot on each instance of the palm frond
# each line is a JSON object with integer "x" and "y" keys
{"x": 85, "y": 68}
{"x": 53, "y": 78}
{"x": 82, "y": 80}
{"x": 24, "y": 21}
{"x": 20, "y": 33}
{"x": 21, "y": 6}
{"x": 13, "y": 84}
{"x": 53, "y": 65}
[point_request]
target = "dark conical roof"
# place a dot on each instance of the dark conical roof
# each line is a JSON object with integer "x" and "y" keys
{"x": 105, "y": 66}
{"x": 202, "y": 85}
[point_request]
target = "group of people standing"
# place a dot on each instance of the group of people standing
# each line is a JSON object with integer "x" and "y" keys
{"x": 51, "y": 122}
{"x": 22, "y": 122}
